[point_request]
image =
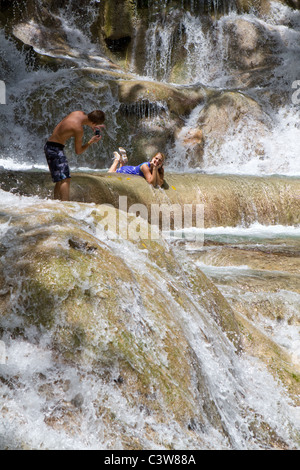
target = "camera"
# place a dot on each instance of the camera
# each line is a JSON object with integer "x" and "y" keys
{"x": 97, "y": 132}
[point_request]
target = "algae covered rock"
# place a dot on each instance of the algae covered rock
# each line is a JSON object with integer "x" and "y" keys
{"x": 227, "y": 200}
{"x": 132, "y": 337}
{"x": 99, "y": 301}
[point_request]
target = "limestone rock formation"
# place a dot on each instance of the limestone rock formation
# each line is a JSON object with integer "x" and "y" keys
{"x": 96, "y": 301}
{"x": 228, "y": 200}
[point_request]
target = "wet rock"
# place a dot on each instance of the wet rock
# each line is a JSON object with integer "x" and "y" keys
{"x": 105, "y": 332}
{"x": 228, "y": 200}
{"x": 78, "y": 400}
{"x": 82, "y": 246}
{"x": 263, "y": 6}
{"x": 227, "y": 114}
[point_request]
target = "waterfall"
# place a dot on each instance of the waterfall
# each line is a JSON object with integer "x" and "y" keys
{"x": 143, "y": 109}
{"x": 30, "y": 102}
{"x": 206, "y": 45}
{"x": 181, "y": 46}
{"x": 202, "y": 40}
{"x": 231, "y": 400}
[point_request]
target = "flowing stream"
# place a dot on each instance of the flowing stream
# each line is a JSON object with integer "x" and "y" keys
{"x": 38, "y": 389}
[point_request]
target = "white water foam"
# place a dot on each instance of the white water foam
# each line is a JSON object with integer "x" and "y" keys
{"x": 255, "y": 231}
{"x": 37, "y": 389}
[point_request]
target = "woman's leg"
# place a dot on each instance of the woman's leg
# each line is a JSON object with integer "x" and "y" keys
{"x": 123, "y": 155}
{"x": 120, "y": 158}
{"x": 115, "y": 164}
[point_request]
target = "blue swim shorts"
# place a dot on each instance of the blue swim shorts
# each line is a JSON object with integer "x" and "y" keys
{"x": 57, "y": 161}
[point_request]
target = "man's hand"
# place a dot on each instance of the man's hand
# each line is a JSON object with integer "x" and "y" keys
{"x": 94, "y": 139}
{"x": 100, "y": 126}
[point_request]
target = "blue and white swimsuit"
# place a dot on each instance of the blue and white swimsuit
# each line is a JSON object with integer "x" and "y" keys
{"x": 133, "y": 170}
{"x": 57, "y": 161}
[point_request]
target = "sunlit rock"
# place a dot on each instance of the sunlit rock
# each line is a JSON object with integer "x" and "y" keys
{"x": 228, "y": 200}
{"x": 106, "y": 311}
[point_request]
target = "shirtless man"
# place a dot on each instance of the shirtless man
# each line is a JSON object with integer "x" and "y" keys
{"x": 70, "y": 126}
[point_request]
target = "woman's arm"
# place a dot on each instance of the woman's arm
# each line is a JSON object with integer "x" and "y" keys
{"x": 152, "y": 177}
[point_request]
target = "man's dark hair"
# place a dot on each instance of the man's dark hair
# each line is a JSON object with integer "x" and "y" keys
{"x": 97, "y": 117}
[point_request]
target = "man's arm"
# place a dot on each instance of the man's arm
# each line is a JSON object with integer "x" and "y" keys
{"x": 79, "y": 148}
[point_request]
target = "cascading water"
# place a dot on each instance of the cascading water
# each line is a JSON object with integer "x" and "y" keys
{"x": 207, "y": 51}
{"x": 44, "y": 398}
{"x": 30, "y": 89}
{"x": 119, "y": 344}
{"x": 203, "y": 48}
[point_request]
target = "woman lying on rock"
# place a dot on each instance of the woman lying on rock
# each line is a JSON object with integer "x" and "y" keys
{"x": 153, "y": 171}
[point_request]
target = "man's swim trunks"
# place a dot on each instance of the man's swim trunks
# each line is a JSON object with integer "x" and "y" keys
{"x": 57, "y": 161}
{"x": 133, "y": 170}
